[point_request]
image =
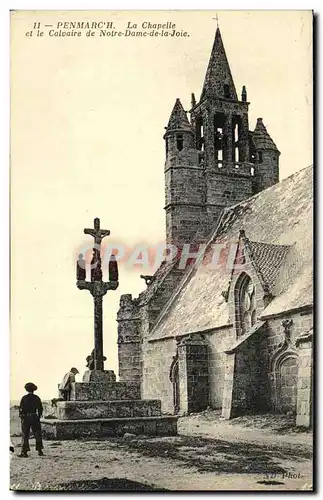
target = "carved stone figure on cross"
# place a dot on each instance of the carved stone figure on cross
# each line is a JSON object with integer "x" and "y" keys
{"x": 97, "y": 233}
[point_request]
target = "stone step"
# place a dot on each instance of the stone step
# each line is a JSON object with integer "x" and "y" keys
{"x": 96, "y": 391}
{"x": 80, "y": 410}
{"x": 109, "y": 427}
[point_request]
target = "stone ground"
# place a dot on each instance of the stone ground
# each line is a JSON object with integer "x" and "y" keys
{"x": 246, "y": 453}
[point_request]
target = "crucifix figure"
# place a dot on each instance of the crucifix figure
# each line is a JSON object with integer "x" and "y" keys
{"x": 97, "y": 233}
{"x": 98, "y": 288}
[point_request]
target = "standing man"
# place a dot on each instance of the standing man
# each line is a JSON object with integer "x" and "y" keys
{"x": 65, "y": 386}
{"x": 30, "y": 412}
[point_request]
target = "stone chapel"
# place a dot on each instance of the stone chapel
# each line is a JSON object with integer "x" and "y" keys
{"x": 235, "y": 336}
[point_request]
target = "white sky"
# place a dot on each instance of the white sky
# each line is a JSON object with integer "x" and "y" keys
{"x": 87, "y": 119}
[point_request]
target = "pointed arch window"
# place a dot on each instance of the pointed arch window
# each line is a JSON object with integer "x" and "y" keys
{"x": 245, "y": 303}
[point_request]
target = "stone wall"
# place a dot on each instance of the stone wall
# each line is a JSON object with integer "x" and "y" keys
{"x": 157, "y": 360}
{"x": 129, "y": 349}
{"x": 198, "y": 370}
{"x": 305, "y": 385}
{"x": 218, "y": 341}
{"x": 184, "y": 184}
{"x": 267, "y": 172}
{"x": 270, "y": 372}
{"x": 184, "y": 189}
{"x": 302, "y": 322}
{"x": 182, "y": 222}
{"x": 251, "y": 385}
{"x": 226, "y": 188}
{"x": 242, "y": 385}
{"x": 251, "y": 376}
{"x": 129, "y": 356}
{"x": 289, "y": 364}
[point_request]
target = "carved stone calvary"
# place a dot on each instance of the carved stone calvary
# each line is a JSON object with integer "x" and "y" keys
{"x": 97, "y": 287}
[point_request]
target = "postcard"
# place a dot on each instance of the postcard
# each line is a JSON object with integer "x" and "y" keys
{"x": 161, "y": 250}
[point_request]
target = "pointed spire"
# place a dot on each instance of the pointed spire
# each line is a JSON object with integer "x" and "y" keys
{"x": 261, "y": 138}
{"x": 218, "y": 79}
{"x": 178, "y": 119}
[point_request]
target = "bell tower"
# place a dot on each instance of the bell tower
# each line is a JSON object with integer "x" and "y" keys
{"x": 213, "y": 161}
{"x": 220, "y": 123}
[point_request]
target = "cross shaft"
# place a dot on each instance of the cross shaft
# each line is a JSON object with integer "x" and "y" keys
{"x": 98, "y": 289}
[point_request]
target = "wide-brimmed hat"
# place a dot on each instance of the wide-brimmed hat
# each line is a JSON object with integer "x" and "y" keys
{"x": 30, "y": 387}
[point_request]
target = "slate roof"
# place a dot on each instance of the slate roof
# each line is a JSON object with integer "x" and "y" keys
{"x": 268, "y": 259}
{"x": 178, "y": 119}
{"x": 280, "y": 215}
{"x": 261, "y": 138}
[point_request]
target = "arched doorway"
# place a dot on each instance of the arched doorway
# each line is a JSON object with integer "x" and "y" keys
{"x": 174, "y": 378}
{"x": 286, "y": 383}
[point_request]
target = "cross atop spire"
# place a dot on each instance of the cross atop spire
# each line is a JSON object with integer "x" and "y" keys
{"x": 218, "y": 81}
{"x": 217, "y": 20}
